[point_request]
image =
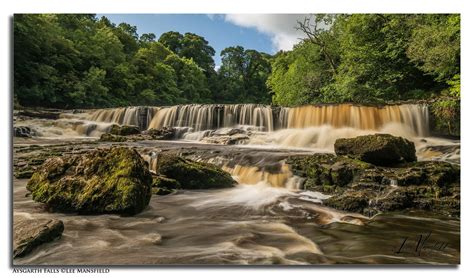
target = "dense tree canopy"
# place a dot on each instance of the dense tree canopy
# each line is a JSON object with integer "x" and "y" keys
{"x": 369, "y": 58}
{"x": 69, "y": 60}
{"x": 72, "y": 60}
{"x": 242, "y": 76}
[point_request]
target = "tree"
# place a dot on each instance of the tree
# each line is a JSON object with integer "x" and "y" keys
{"x": 243, "y": 74}
{"x": 300, "y": 76}
{"x": 190, "y": 46}
{"x": 435, "y": 47}
{"x": 172, "y": 40}
{"x": 191, "y": 80}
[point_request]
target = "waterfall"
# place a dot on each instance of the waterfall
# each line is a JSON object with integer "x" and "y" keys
{"x": 414, "y": 116}
{"x": 254, "y": 175}
{"x": 205, "y": 117}
{"x": 139, "y": 116}
{"x": 201, "y": 117}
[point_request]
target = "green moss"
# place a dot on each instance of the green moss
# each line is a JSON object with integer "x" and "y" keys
{"x": 351, "y": 201}
{"x": 113, "y": 180}
{"x": 124, "y": 130}
{"x": 378, "y": 149}
{"x": 107, "y": 137}
{"x": 191, "y": 174}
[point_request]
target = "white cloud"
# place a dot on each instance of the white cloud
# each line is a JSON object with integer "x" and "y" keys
{"x": 280, "y": 27}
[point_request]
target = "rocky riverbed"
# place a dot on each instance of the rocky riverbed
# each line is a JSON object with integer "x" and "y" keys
{"x": 356, "y": 216}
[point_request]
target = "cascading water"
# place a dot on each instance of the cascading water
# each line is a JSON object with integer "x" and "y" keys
{"x": 206, "y": 117}
{"x": 415, "y": 117}
{"x": 311, "y": 126}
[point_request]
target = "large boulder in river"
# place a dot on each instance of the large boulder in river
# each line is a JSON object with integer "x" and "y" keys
{"x": 113, "y": 180}
{"x": 30, "y": 233}
{"x": 378, "y": 149}
{"x": 192, "y": 174}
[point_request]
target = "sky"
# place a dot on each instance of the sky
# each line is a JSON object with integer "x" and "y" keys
{"x": 263, "y": 32}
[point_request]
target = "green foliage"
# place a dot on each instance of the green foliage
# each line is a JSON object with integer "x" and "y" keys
{"x": 369, "y": 58}
{"x": 73, "y": 60}
{"x": 447, "y": 116}
{"x": 435, "y": 45}
{"x": 299, "y": 76}
{"x": 78, "y": 60}
{"x": 190, "y": 46}
{"x": 242, "y": 76}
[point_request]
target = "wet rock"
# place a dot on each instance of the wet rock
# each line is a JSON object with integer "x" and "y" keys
{"x": 162, "y": 185}
{"x": 30, "y": 233}
{"x": 353, "y": 201}
{"x": 191, "y": 174}
{"x": 361, "y": 187}
{"x": 107, "y": 137}
{"x": 327, "y": 169}
{"x": 26, "y": 174}
{"x": 165, "y": 133}
{"x": 40, "y": 114}
{"x": 114, "y": 180}
{"x": 226, "y": 136}
{"x": 226, "y": 139}
{"x": 23, "y": 131}
{"x": 164, "y": 182}
{"x": 378, "y": 149}
{"x": 124, "y": 130}
{"x": 132, "y": 134}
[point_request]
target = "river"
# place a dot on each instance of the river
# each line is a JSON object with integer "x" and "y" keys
{"x": 268, "y": 218}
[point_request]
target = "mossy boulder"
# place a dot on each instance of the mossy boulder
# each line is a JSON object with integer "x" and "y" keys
{"x": 191, "y": 174}
{"x": 377, "y": 149}
{"x": 327, "y": 169}
{"x": 124, "y": 130}
{"x": 114, "y": 180}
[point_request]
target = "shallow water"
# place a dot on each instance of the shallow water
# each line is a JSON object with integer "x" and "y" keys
{"x": 248, "y": 224}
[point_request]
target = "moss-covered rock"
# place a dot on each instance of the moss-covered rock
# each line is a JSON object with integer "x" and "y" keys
{"x": 162, "y": 185}
{"x": 113, "y": 180}
{"x": 191, "y": 174}
{"x": 327, "y": 170}
{"x": 124, "y": 130}
{"x": 107, "y": 137}
{"x": 361, "y": 187}
{"x": 164, "y": 182}
{"x": 352, "y": 201}
{"x": 164, "y": 133}
{"x": 378, "y": 149}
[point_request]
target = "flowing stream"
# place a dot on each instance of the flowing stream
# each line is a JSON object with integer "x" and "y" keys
{"x": 268, "y": 218}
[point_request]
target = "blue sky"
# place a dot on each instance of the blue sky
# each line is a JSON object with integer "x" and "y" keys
{"x": 266, "y": 33}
